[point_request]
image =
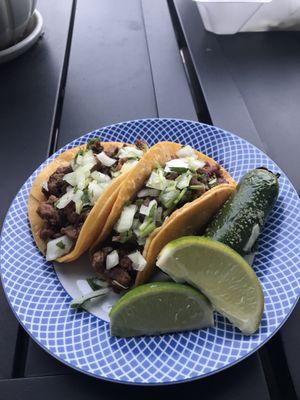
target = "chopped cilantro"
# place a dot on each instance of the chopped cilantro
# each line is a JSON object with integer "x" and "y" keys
{"x": 197, "y": 187}
{"x": 79, "y": 153}
{"x": 179, "y": 170}
{"x": 152, "y": 211}
{"x": 181, "y": 196}
{"x": 96, "y": 283}
{"x": 125, "y": 236}
{"x": 61, "y": 245}
{"x": 85, "y": 197}
{"x": 92, "y": 141}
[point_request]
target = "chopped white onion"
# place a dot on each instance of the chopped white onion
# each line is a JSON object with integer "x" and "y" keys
{"x": 168, "y": 197}
{"x": 157, "y": 180}
{"x": 138, "y": 261}
{"x": 148, "y": 192}
{"x": 183, "y": 180}
{"x": 95, "y": 190}
{"x": 171, "y": 185}
{"x": 112, "y": 259}
{"x": 115, "y": 174}
{"x": 195, "y": 164}
{"x": 70, "y": 178}
{"x": 128, "y": 165}
{"x": 79, "y": 159}
{"x": 130, "y": 152}
{"x": 212, "y": 181}
{"x": 45, "y": 185}
{"x": 105, "y": 160}
{"x": 79, "y": 176}
{"x": 58, "y": 247}
{"x": 65, "y": 199}
{"x": 77, "y": 198}
{"x": 176, "y": 163}
{"x": 144, "y": 210}
{"x": 126, "y": 219}
{"x": 80, "y": 179}
{"x": 88, "y": 158}
{"x": 186, "y": 151}
{"x": 99, "y": 177}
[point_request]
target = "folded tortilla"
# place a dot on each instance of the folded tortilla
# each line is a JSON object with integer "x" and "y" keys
{"x": 96, "y": 219}
{"x": 189, "y": 219}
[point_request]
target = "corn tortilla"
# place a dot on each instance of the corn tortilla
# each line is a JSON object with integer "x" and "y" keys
{"x": 186, "y": 220}
{"x": 97, "y": 216}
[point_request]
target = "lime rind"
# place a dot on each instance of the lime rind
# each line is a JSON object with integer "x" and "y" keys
{"x": 234, "y": 290}
{"x": 160, "y": 307}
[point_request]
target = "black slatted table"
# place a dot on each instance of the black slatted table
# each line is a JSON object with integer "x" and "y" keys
{"x": 105, "y": 61}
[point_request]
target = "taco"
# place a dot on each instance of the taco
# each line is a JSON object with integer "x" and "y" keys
{"x": 175, "y": 191}
{"x": 73, "y": 195}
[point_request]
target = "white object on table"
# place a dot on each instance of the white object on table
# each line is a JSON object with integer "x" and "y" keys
{"x": 14, "y": 18}
{"x": 32, "y": 34}
{"x": 232, "y": 16}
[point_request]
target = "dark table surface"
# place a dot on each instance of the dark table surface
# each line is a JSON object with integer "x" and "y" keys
{"x": 105, "y": 61}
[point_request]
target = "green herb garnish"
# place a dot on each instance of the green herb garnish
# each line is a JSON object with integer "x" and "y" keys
{"x": 181, "y": 195}
{"x": 79, "y": 153}
{"x": 80, "y": 301}
{"x": 61, "y": 245}
{"x": 197, "y": 187}
{"x": 96, "y": 283}
{"x": 85, "y": 197}
{"x": 152, "y": 211}
{"x": 179, "y": 170}
{"x": 125, "y": 236}
{"x": 92, "y": 141}
{"x": 139, "y": 202}
{"x": 147, "y": 227}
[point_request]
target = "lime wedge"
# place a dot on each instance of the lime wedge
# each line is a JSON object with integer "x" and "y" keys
{"x": 160, "y": 307}
{"x": 221, "y": 274}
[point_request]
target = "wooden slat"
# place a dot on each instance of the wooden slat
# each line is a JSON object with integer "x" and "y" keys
{"x": 291, "y": 344}
{"x": 266, "y": 69}
{"x": 251, "y": 86}
{"x": 226, "y": 106}
{"x": 8, "y": 337}
{"x": 109, "y": 80}
{"x": 40, "y": 363}
{"x": 243, "y": 381}
{"x": 85, "y": 109}
{"x": 28, "y": 87}
{"x": 109, "y": 77}
{"x": 172, "y": 92}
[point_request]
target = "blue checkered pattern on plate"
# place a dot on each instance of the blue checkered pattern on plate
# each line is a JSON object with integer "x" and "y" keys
{"x": 82, "y": 341}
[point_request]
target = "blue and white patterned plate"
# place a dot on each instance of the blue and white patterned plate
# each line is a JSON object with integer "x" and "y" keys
{"x": 82, "y": 341}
